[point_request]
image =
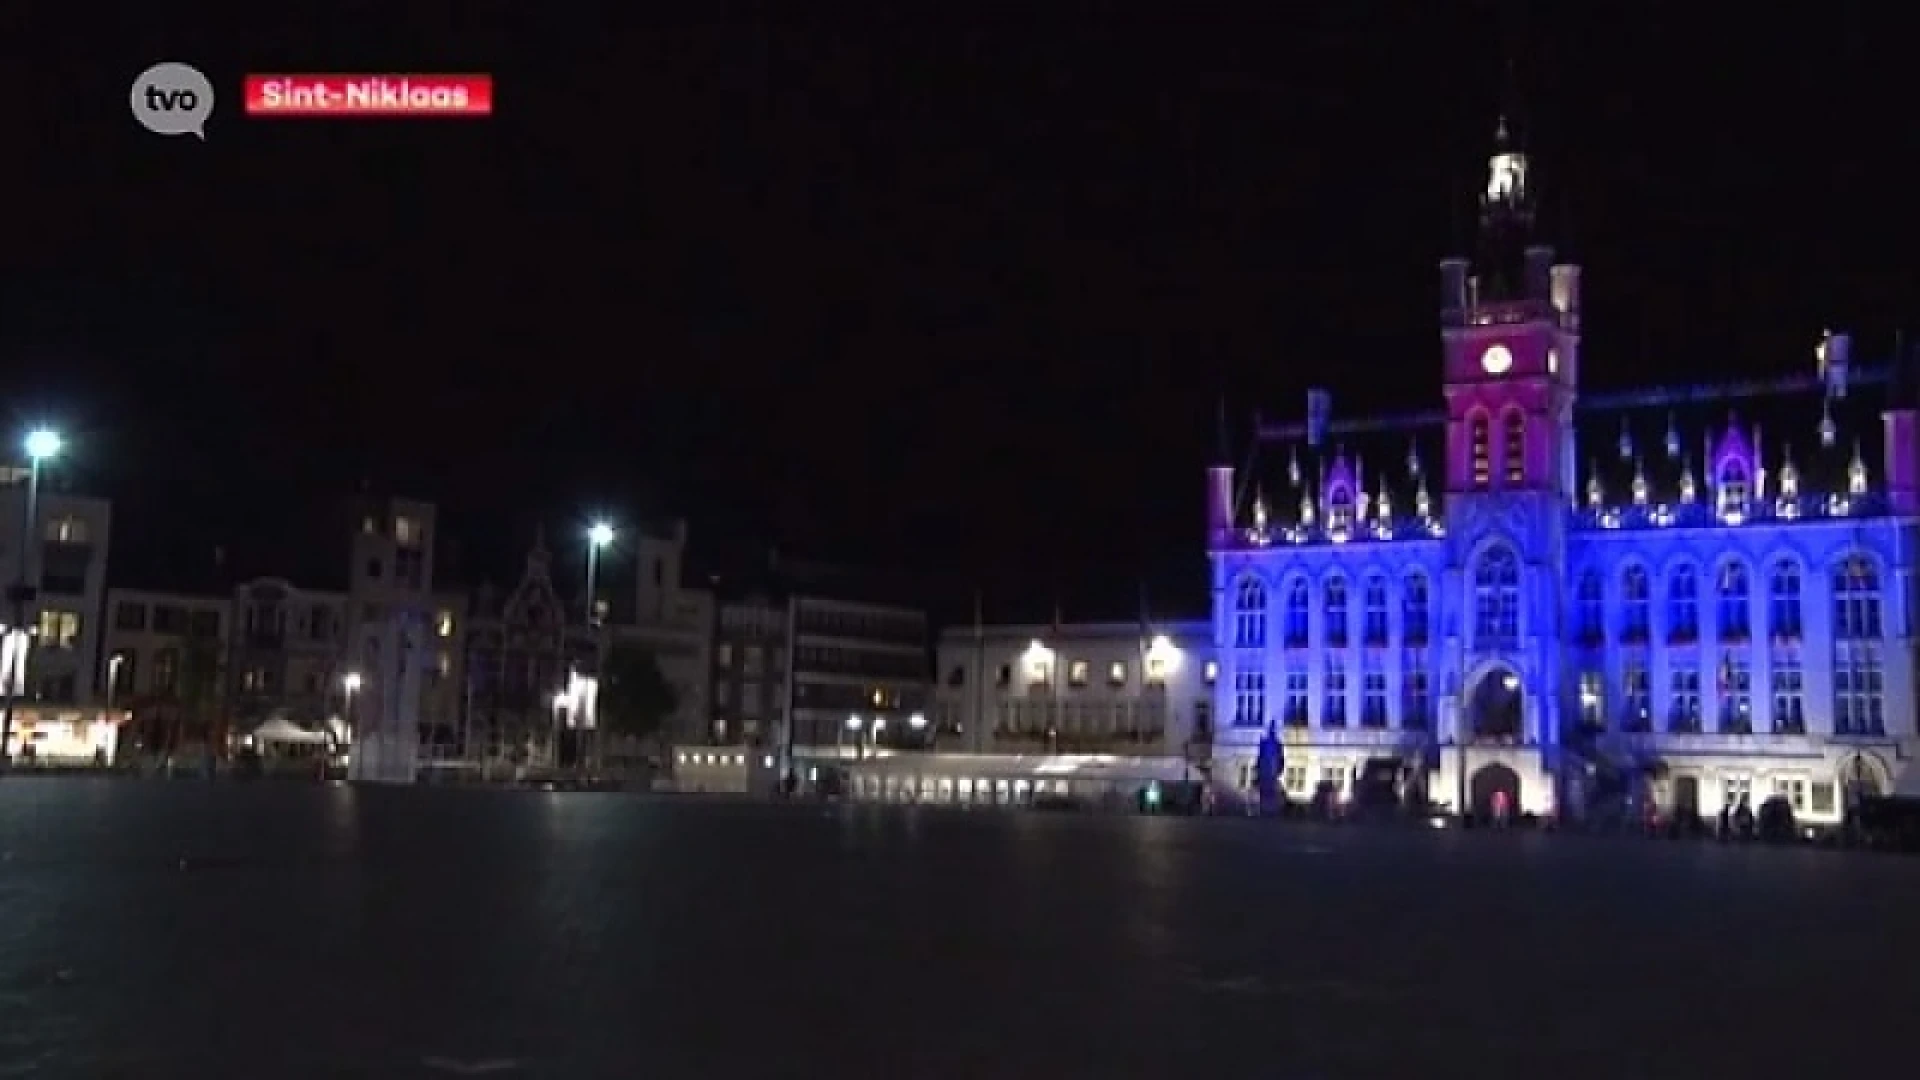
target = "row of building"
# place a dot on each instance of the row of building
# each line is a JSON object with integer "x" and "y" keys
{"x": 423, "y": 669}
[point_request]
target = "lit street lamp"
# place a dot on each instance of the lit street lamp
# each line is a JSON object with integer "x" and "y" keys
{"x": 41, "y": 445}
{"x": 350, "y": 683}
{"x": 599, "y": 536}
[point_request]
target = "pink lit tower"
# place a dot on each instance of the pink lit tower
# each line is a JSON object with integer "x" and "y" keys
{"x": 1510, "y": 336}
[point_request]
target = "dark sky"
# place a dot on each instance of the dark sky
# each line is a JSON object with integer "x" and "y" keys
{"x": 959, "y": 298}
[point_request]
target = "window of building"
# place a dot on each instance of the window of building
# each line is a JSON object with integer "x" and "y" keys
{"x": 1299, "y": 613}
{"x": 443, "y": 623}
{"x": 1789, "y": 689}
{"x": 1856, "y": 600}
{"x": 1733, "y": 485}
{"x": 59, "y": 629}
{"x": 1249, "y": 698}
{"x": 1859, "y": 706}
{"x": 1683, "y": 705}
{"x": 1117, "y": 673}
{"x": 1333, "y": 711}
{"x": 407, "y": 531}
{"x": 752, "y": 660}
{"x": 1374, "y": 628}
{"x": 128, "y": 615}
{"x": 1515, "y": 449}
{"x": 1496, "y": 587}
{"x": 1373, "y": 694}
{"x": 1636, "y": 602}
{"x": 1211, "y": 673}
{"x": 1593, "y": 701}
{"x": 1735, "y": 608}
{"x": 1339, "y": 508}
{"x": 1294, "y": 708}
{"x": 1783, "y": 602}
{"x": 1250, "y": 614}
{"x": 1414, "y": 610}
{"x": 1735, "y": 788}
{"x": 1335, "y": 612}
{"x": 1590, "y": 609}
{"x": 166, "y": 671}
{"x": 1077, "y": 673}
{"x": 374, "y": 569}
{"x": 1636, "y": 693}
{"x": 203, "y": 624}
{"x": 1416, "y": 686}
{"x": 1482, "y": 465}
{"x": 67, "y": 529}
{"x": 1683, "y": 604}
{"x": 1736, "y": 693}
{"x": 1002, "y": 678}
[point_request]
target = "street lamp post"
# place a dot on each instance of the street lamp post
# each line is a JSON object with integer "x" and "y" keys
{"x": 350, "y": 684}
{"x": 560, "y": 701}
{"x": 42, "y": 444}
{"x": 599, "y": 536}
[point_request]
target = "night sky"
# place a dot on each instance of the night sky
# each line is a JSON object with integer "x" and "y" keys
{"x": 955, "y": 298}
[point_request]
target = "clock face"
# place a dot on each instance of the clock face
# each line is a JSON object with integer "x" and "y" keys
{"x": 1496, "y": 360}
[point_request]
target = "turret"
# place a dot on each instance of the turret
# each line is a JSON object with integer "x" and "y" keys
{"x": 1219, "y": 505}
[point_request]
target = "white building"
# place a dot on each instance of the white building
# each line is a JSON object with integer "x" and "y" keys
{"x": 66, "y": 574}
{"x": 673, "y": 623}
{"x": 1101, "y": 688}
{"x": 391, "y": 636}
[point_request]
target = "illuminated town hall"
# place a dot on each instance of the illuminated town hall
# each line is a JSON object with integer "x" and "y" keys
{"x": 1694, "y": 596}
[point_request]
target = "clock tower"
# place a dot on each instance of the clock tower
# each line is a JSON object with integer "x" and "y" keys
{"x": 1510, "y": 337}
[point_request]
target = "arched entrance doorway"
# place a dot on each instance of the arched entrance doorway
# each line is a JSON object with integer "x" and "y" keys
{"x": 1862, "y": 776}
{"x": 1489, "y": 784}
{"x": 1495, "y": 709}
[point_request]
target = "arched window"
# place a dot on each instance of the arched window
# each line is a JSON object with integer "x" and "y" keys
{"x": 1414, "y": 610}
{"x": 1783, "y": 600}
{"x": 1736, "y": 622}
{"x": 1299, "y": 607}
{"x": 1335, "y": 611}
{"x": 1496, "y": 587}
{"x": 1733, "y": 484}
{"x": 1856, "y": 600}
{"x": 1375, "y": 631}
{"x": 1339, "y": 508}
{"x": 1478, "y": 435}
{"x": 1514, "y": 446}
{"x": 1636, "y": 603}
{"x": 1250, "y": 614}
{"x": 1683, "y": 604}
{"x": 1590, "y": 606}
{"x": 1859, "y": 678}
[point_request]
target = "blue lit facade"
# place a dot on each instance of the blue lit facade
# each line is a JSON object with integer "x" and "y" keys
{"x": 1649, "y": 598}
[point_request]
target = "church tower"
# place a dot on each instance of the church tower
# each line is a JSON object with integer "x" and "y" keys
{"x": 1510, "y": 337}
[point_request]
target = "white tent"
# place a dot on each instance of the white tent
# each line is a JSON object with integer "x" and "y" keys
{"x": 279, "y": 729}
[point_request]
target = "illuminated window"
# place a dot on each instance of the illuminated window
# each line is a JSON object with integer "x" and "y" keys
{"x": 1482, "y": 467}
{"x": 1416, "y": 687}
{"x": 67, "y": 529}
{"x": 1077, "y": 673}
{"x": 1250, "y": 614}
{"x": 1339, "y": 508}
{"x": 1856, "y": 600}
{"x": 1211, "y": 673}
{"x": 1593, "y": 701}
{"x": 1333, "y": 711}
{"x": 1374, "y": 624}
{"x": 1783, "y": 607}
{"x": 1496, "y": 586}
{"x": 1736, "y": 692}
{"x": 443, "y": 624}
{"x": 1859, "y": 681}
{"x": 1514, "y": 450}
{"x": 1117, "y": 673}
{"x": 1683, "y": 604}
{"x": 1683, "y": 698}
{"x": 1299, "y": 613}
{"x": 1733, "y": 485}
{"x": 1735, "y": 620}
{"x": 1635, "y": 604}
{"x": 1414, "y": 610}
{"x": 1249, "y": 699}
{"x": 1636, "y": 693}
{"x": 1294, "y": 709}
{"x": 1373, "y": 693}
{"x": 1335, "y": 612}
{"x": 59, "y": 629}
{"x": 406, "y": 531}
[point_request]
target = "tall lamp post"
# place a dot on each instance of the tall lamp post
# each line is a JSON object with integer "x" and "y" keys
{"x": 41, "y": 445}
{"x": 350, "y": 684}
{"x": 599, "y": 536}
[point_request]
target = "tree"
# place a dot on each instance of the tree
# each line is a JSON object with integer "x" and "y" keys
{"x": 196, "y": 693}
{"x": 635, "y": 698}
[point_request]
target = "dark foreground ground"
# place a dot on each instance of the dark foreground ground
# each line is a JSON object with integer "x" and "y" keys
{"x": 339, "y": 933}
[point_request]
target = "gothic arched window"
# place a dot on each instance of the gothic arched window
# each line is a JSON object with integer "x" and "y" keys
{"x": 1859, "y": 679}
{"x": 1783, "y": 600}
{"x": 1636, "y": 603}
{"x": 1683, "y": 604}
{"x": 1414, "y": 608}
{"x": 1299, "y": 609}
{"x": 1335, "y": 611}
{"x": 1496, "y": 588}
{"x": 1735, "y": 591}
{"x": 1250, "y": 614}
{"x": 1856, "y": 600}
{"x": 1374, "y": 631}
{"x": 1590, "y": 607}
